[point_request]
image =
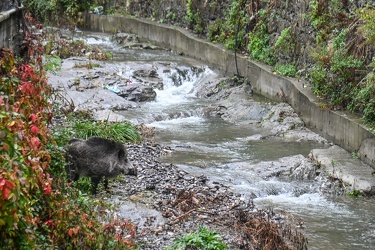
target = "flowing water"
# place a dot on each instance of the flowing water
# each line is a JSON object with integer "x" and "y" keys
{"x": 225, "y": 152}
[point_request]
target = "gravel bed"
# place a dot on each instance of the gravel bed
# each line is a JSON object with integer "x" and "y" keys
{"x": 182, "y": 202}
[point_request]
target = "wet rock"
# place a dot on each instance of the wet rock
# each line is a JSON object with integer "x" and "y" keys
{"x": 97, "y": 99}
{"x": 141, "y": 214}
{"x": 151, "y": 73}
{"x": 306, "y": 170}
{"x": 107, "y": 115}
{"x": 149, "y": 77}
{"x": 340, "y": 165}
{"x": 125, "y": 38}
{"x": 138, "y": 93}
{"x": 282, "y": 118}
{"x": 304, "y": 134}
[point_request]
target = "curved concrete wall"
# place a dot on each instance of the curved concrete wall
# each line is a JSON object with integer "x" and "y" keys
{"x": 335, "y": 126}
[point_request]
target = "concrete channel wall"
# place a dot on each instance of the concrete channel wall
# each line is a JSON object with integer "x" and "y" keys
{"x": 10, "y": 23}
{"x": 345, "y": 130}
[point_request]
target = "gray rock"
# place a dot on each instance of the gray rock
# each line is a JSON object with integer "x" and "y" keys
{"x": 98, "y": 99}
{"x": 138, "y": 93}
{"x": 339, "y": 164}
{"x": 306, "y": 170}
{"x": 125, "y": 38}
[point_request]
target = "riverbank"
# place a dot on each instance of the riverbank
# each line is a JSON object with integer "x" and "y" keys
{"x": 342, "y": 129}
{"x": 166, "y": 202}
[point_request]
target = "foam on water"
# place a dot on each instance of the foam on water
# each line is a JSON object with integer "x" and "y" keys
{"x": 177, "y": 123}
{"x": 172, "y": 94}
{"x": 98, "y": 40}
{"x": 308, "y": 202}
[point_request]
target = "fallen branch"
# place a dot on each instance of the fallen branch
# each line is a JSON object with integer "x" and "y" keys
{"x": 192, "y": 210}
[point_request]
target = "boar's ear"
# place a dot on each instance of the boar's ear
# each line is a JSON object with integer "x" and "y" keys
{"x": 121, "y": 154}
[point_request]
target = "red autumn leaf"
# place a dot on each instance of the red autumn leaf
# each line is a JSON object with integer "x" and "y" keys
{"x": 27, "y": 71}
{"x": 73, "y": 230}
{"x": 49, "y": 223}
{"x": 34, "y": 129}
{"x": 47, "y": 190}
{"x": 35, "y": 142}
{"x": 118, "y": 236}
{"x": 9, "y": 184}
{"x": 26, "y": 87}
{"x": 7, "y": 187}
{"x": 33, "y": 117}
{"x": 5, "y": 193}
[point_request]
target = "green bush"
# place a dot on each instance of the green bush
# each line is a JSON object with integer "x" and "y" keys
{"x": 225, "y": 30}
{"x": 117, "y": 131}
{"x": 333, "y": 74}
{"x": 215, "y": 30}
{"x": 368, "y": 28}
{"x": 55, "y": 12}
{"x": 323, "y": 13}
{"x": 364, "y": 98}
{"x": 285, "y": 69}
{"x": 193, "y": 17}
{"x": 284, "y": 40}
{"x": 258, "y": 46}
{"x": 203, "y": 239}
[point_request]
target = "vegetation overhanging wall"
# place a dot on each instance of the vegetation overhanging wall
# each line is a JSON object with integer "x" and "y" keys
{"x": 349, "y": 133}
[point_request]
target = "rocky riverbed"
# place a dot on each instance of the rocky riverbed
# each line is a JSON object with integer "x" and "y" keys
{"x": 165, "y": 201}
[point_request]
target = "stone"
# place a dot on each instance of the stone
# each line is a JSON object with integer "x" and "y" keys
{"x": 339, "y": 164}
{"x": 138, "y": 93}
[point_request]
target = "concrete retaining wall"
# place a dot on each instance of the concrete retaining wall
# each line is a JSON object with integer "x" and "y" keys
{"x": 10, "y": 23}
{"x": 349, "y": 133}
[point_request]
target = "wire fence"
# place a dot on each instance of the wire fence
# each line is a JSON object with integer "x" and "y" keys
{"x": 8, "y": 4}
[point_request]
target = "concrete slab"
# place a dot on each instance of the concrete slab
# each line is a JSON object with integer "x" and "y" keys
{"x": 340, "y": 164}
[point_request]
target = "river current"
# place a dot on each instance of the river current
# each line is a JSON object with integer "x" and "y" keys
{"x": 225, "y": 152}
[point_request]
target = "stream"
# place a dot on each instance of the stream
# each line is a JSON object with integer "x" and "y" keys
{"x": 233, "y": 153}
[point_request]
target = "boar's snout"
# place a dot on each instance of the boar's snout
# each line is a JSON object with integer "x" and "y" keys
{"x": 131, "y": 169}
{"x": 128, "y": 168}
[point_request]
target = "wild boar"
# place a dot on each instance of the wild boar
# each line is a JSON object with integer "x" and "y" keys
{"x": 97, "y": 158}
